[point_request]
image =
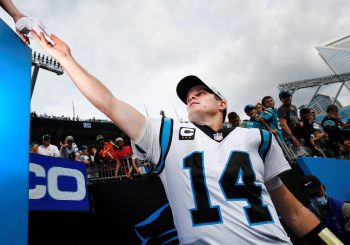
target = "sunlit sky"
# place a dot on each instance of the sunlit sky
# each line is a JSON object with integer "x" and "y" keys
{"x": 141, "y": 49}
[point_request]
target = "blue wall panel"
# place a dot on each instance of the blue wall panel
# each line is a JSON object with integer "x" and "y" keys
{"x": 15, "y": 71}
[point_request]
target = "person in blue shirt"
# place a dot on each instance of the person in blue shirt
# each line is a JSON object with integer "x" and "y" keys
{"x": 270, "y": 114}
{"x": 333, "y": 213}
{"x": 255, "y": 121}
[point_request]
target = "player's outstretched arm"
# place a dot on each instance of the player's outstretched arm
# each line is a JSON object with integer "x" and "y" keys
{"x": 299, "y": 219}
{"x": 127, "y": 118}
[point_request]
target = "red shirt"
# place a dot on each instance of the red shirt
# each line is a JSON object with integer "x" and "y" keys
{"x": 126, "y": 151}
{"x": 108, "y": 152}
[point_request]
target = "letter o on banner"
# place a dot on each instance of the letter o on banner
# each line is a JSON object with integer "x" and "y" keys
{"x": 53, "y": 187}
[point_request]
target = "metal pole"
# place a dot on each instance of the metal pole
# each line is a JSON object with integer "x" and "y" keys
{"x": 73, "y": 110}
{"x": 34, "y": 76}
{"x": 318, "y": 89}
{"x": 336, "y": 96}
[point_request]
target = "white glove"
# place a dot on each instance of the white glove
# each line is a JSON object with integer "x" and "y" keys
{"x": 26, "y": 24}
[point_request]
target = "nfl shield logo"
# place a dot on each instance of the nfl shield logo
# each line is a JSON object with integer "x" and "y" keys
{"x": 218, "y": 136}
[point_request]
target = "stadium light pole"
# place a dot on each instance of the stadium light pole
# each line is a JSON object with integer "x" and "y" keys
{"x": 44, "y": 62}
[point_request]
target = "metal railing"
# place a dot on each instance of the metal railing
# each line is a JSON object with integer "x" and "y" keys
{"x": 106, "y": 170}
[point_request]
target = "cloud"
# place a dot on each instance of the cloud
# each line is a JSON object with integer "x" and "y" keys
{"x": 141, "y": 49}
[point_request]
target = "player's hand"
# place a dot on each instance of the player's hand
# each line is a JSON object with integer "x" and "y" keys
{"x": 24, "y": 38}
{"x": 59, "y": 50}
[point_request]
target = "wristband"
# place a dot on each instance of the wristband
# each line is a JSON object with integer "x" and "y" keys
{"x": 321, "y": 235}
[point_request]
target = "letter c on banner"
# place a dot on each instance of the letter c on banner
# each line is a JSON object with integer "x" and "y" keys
{"x": 40, "y": 190}
{"x": 56, "y": 193}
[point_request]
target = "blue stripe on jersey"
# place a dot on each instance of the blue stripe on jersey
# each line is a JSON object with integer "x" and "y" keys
{"x": 265, "y": 143}
{"x": 166, "y": 133}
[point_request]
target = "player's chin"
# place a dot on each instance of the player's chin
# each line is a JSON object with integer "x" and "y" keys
{"x": 193, "y": 115}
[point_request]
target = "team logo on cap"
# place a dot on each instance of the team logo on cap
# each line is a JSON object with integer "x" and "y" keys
{"x": 187, "y": 133}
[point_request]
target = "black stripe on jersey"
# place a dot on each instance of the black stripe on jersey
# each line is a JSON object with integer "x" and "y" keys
{"x": 164, "y": 154}
{"x": 160, "y": 139}
{"x": 268, "y": 147}
{"x": 265, "y": 143}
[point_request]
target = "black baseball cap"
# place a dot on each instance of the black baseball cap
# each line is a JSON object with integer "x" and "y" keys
{"x": 285, "y": 94}
{"x": 310, "y": 184}
{"x": 191, "y": 81}
{"x": 46, "y": 137}
{"x": 305, "y": 111}
{"x": 249, "y": 108}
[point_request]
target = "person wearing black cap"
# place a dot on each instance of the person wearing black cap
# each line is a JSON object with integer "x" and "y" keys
{"x": 332, "y": 124}
{"x": 288, "y": 116}
{"x": 333, "y": 213}
{"x": 222, "y": 185}
{"x": 307, "y": 132}
{"x": 345, "y": 143}
{"x": 47, "y": 148}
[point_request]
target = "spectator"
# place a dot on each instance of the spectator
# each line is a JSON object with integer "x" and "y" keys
{"x": 106, "y": 152}
{"x": 47, "y": 149}
{"x": 288, "y": 116}
{"x": 234, "y": 119}
{"x": 334, "y": 213}
{"x": 77, "y": 157}
{"x": 69, "y": 148}
{"x": 270, "y": 113}
{"x": 307, "y": 133}
{"x": 316, "y": 125}
{"x": 126, "y": 151}
{"x": 259, "y": 108}
{"x": 92, "y": 151}
{"x": 332, "y": 124}
{"x": 34, "y": 147}
{"x": 255, "y": 121}
{"x": 345, "y": 143}
{"x": 84, "y": 155}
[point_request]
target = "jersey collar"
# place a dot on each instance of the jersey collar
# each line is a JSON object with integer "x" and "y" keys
{"x": 218, "y": 136}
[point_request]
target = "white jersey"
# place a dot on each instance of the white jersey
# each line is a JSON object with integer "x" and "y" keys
{"x": 51, "y": 151}
{"x": 216, "y": 189}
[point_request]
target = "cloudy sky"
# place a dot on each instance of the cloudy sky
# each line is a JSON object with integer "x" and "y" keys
{"x": 141, "y": 49}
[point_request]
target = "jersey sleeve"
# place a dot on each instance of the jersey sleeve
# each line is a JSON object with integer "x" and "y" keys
{"x": 274, "y": 161}
{"x": 154, "y": 141}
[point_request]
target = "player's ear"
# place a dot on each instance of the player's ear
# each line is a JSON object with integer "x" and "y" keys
{"x": 223, "y": 104}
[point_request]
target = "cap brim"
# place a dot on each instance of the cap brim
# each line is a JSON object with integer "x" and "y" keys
{"x": 313, "y": 190}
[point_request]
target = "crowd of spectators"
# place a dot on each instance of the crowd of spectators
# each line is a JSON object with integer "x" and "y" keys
{"x": 298, "y": 131}
{"x": 108, "y": 155}
{"x": 74, "y": 118}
